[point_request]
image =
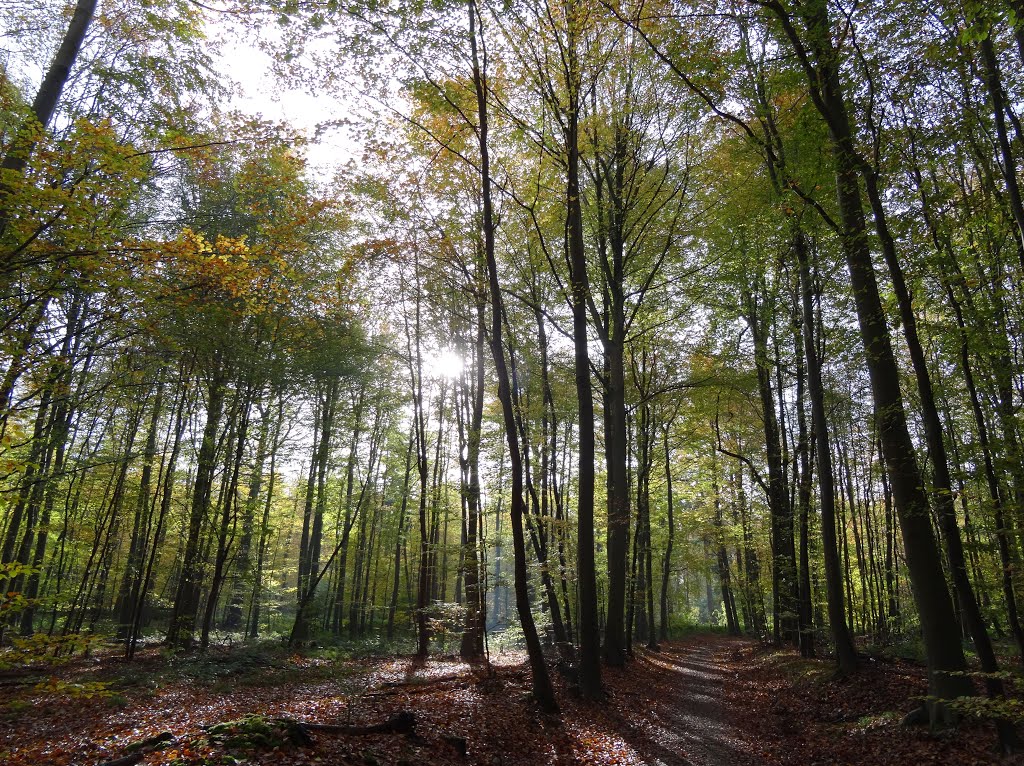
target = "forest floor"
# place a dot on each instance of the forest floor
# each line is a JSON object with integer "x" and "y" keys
{"x": 702, "y": 701}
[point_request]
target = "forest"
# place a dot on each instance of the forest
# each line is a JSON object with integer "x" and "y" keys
{"x": 584, "y": 349}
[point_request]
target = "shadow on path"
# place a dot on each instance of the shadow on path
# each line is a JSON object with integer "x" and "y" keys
{"x": 688, "y": 721}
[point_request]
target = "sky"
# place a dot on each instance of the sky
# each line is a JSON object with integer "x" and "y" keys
{"x": 266, "y": 95}
{"x": 262, "y": 93}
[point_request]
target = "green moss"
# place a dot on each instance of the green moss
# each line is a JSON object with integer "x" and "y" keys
{"x": 257, "y": 732}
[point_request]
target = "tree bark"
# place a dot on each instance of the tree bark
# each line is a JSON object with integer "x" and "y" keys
{"x": 935, "y": 608}
{"x": 186, "y": 600}
{"x": 542, "y": 690}
{"x": 43, "y": 107}
{"x": 667, "y": 561}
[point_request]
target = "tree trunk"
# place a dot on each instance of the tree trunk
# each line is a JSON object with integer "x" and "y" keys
{"x": 132, "y": 579}
{"x": 846, "y": 654}
{"x": 45, "y": 103}
{"x": 186, "y": 599}
{"x": 804, "y": 478}
{"x": 400, "y": 538}
{"x": 784, "y": 572}
{"x": 666, "y": 566}
{"x": 542, "y": 689}
{"x": 935, "y": 608}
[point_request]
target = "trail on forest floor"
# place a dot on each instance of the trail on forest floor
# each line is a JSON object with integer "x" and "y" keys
{"x": 708, "y": 700}
{"x": 695, "y": 721}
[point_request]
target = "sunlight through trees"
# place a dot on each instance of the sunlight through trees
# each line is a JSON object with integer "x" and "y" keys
{"x": 618, "y": 318}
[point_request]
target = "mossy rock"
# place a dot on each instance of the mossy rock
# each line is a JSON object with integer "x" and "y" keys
{"x": 257, "y": 732}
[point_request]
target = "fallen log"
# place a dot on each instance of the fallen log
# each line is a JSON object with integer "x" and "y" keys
{"x": 423, "y": 681}
{"x": 403, "y": 722}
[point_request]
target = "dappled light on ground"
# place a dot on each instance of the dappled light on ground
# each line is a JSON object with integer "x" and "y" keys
{"x": 705, "y": 701}
{"x": 691, "y": 719}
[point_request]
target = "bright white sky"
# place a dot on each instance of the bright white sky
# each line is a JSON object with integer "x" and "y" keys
{"x": 263, "y": 94}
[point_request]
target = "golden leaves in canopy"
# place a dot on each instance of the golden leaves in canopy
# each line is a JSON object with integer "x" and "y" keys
{"x": 228, "y": 271}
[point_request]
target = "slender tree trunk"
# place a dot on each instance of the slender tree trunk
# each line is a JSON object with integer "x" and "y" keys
{"x": 472, "y": 647}
{"x": 943, "y": 247}
{"x": 253, "y": 628}
{"x": 846, "y": 654}
{"x": 943, "y": 487}
{"x": 666, "y": 567}
{"x": 165, "y": 491}
{"x": 935, "y": 608}
{"x": 589, "y": 637}
{"x": 784, "y": 571}
{"x": 229, "y": 519}
{"x": 804, "y": 482}
{"x": 993, "y": 84}
{"x": 45, "y": 103}
{"x": 542, "y": 689}
{"x": 400, "y": 537}
{"x": 131, "y": 580}
{"x": 313, "y": 515}
{"x": 186, "y": 600}
{"x": 535, "y": 524}
{"x": 243, "y": 570}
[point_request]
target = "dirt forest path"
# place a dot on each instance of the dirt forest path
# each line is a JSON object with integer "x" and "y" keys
{"x": 706, "y": 700}
{"x": 667, "y": 708}
{"x": 695, "y": 721}
{"x": 672, "y": 707}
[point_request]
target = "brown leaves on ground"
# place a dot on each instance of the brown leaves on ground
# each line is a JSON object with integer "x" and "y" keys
{"x": 703, "y": 701}
{"x": 802, "y": 715}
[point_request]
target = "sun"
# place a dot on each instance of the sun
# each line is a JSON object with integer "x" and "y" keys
{"x": 446, "y": 363}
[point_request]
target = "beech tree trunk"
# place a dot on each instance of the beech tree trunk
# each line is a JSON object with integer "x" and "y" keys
{"x": 666, "y": 566}
{"x": 935, "y": 608}
{"x": 846, "y": 654}
{"x": 542, "y": 689}
{"x": 186, "y": 600}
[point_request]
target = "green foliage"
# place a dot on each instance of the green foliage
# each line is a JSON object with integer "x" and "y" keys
{"x": 257, "y": 732}
{"x": 16, "y": 708}
{"x": 154, "y": 239}
{"x": 986, "y": 708}
{"x": 77, "y": 690}
{"x": 880, "y": 720}
{"x": 225, "y": 759}
{"x": 508, "y": 640}
{"x": 229, "y": 664}
{"x": 906, "y": 647}
{"x": 341, "y": 651}
{"x": 118, "y": 700}
{"x": 42, "y": 650}
{"x": 798, "y": 669}
{"x": 13, "y": 602}
{"x": 682, "y": 626}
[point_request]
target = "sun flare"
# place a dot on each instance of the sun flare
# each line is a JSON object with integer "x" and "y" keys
{"x": 446, "y": 363}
